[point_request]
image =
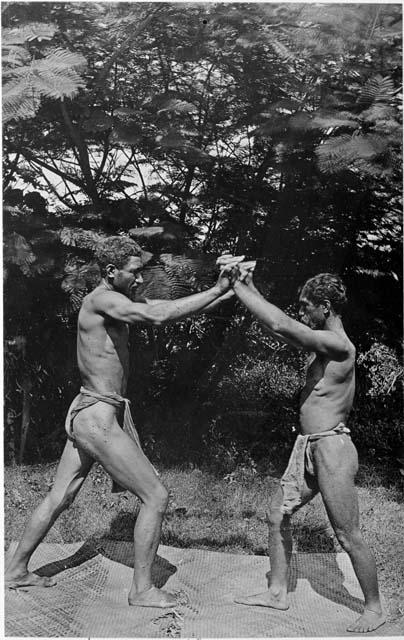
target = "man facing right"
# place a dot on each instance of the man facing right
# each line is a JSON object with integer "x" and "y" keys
{"x": 324, "y": 458}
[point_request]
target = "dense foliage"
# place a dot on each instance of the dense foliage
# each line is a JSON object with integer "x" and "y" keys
{"x": 268, "y": 129}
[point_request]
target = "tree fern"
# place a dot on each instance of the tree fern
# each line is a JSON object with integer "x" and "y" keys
{"x": 26, "y": 79}
{"x": 375, "y": 146}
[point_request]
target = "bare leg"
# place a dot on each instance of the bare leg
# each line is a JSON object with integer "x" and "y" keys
{"x": 337, "y": 465}
{"x": 280, "y": 550}
{"x": 104, "y": 439}
{"x": 73, "y": 468}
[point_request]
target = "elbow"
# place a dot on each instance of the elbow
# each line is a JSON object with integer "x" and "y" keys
{"x": 278, "y": 327}
{"x": 157, "y": 318}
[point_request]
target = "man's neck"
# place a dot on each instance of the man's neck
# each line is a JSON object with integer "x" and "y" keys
{"x": 106, "y": 285}
{"x": 334, "y": 323}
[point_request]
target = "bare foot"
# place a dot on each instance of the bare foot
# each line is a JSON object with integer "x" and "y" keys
{"x": 369, "y": 621}
{"x": 153, "y": 597}
{"x": 266, "y": 599}
{"x": 15, "y": 581}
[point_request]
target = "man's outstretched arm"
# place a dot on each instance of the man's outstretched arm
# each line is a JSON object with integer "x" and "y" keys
{"x": 209, "y": 307}
{"x": 119, "y": 307}
{"x": 286, "y": 328}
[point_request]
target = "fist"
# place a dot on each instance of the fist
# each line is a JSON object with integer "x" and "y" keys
{"x": 228, "y": 259}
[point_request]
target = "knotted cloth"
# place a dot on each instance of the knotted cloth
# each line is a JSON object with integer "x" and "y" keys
{"x": 300, "y": 461}
{"x": 86, "y": 398}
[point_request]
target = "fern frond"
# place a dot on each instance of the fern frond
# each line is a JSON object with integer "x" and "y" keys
{"x": 281, "y": 50}
{"x": 58, "y": 59}
{"x": 378, "y": 111}
{"x": 344, "y": 152}
{"x": 146, "y": 232}
{"x": 81, "y": 238}
{"x": 54, "y": 76}
{"x": 177, "y": 276}
{"x": 177, "y": 105}
{"x": 19, "y": 101}
{"x": 377, "y": 89}
{"x": 334, "y": 120}
{"x": 18, "y": 251}
{"x": 28, "y": 32}
{"x": 14, "y": 56}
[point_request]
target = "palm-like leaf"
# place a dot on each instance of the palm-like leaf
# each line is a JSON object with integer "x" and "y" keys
{"x": 177, "y": 276}
{"x": 81, "y": 238}
{"x": 18, "y": 251}
{"x": 345, "y": 151}
{"x": 56, "y": 75}
{"x": 377, "y": 89}
{"x": 28, "y": 32}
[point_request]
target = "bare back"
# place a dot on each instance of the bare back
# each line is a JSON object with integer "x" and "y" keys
{"x": 102, "y": 348}
{"x": 328, "y": 393}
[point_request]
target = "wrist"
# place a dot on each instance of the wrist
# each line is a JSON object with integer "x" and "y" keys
{"x": 237, "y": 284}
{"x": 218, "y": 291}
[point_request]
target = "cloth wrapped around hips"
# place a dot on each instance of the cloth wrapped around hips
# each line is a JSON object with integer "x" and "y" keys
{"x": 87, "y": 398}
{"x": 301, "y": 461}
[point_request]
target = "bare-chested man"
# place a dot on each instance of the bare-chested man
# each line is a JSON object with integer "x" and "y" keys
{"x": 93, "y": 423}
{"x": 324, "y": 458}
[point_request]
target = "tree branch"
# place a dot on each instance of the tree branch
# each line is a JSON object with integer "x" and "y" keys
{"x": 28, "y": 155}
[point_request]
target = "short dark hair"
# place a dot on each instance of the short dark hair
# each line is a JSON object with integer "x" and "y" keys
{"x": 117, "y": 250}
{"x": 326, "y": 286}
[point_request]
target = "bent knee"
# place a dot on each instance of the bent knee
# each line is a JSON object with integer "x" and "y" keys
{"x": 60, "y": 501}
{"x": 349, "y": 540}
{"x": 157, "y": 498}
{"x": 275, "y": 517}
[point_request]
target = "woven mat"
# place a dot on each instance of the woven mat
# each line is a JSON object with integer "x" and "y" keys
{"x": 90, "y": 598}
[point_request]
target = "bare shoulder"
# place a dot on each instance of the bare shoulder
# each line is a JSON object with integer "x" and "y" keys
{"x": 333, "y": 344}
{"x": 100, "y": 299}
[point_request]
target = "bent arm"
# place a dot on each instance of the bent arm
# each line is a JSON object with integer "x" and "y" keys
{"x": 286, "y": 328}
{"x": 119, "y": 307}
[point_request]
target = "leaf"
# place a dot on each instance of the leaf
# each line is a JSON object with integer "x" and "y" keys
{"x": 179, "y": 106}
{"x": 281, "y": 50}
{"x": 98, "y": 122}
{"x": 81, "y": 238}
{"x": 127, "y": 134}
{"x": 333, "y": 120}
{"x": 146, "y": 232}
{"x": 344, "y": 152}
{"x": 28, "y": 32}
{"x": 247, "y": 41}
{"x": 18, "y": 251}
{"x": 14, "y": 55}
{"x": 377, "y": 89}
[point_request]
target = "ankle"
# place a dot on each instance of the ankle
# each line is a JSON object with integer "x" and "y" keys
{"x": 374, "y": 607}
{"x": 278, "y": 591}
{"x": 141, "y": 588}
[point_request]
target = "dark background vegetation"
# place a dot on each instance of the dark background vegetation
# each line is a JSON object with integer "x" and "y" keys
{"x": 272, "y": 130}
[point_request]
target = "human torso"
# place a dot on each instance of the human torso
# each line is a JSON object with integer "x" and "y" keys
{"x": 328, "y": 393}
{"x": 102, "y": 349}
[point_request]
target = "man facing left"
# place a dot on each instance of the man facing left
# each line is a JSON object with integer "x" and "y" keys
{"x": 99, "y": 424}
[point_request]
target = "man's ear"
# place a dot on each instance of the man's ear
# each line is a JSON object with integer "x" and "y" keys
{"x": 110, "y": 270}
{"x": 326, "y": 307}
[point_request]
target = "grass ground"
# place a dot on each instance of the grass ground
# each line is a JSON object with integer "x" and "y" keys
{"x": 218, "y": 513}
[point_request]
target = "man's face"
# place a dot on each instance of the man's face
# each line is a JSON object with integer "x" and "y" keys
{"x": 127, "y": 279}
{"x": 311, "y": 314}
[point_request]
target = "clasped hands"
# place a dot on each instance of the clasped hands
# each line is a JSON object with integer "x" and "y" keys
{"x": 235, "y": 269}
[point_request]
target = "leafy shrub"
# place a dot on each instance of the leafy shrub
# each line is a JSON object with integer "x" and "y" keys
{"x": 377, "y": 415}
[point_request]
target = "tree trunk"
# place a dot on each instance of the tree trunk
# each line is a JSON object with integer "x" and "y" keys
{"x": 26, "y": 413}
